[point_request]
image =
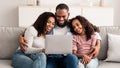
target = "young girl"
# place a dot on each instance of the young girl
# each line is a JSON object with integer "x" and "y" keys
{"x": 84, "y": 41}
{"x": 34, "y": 56}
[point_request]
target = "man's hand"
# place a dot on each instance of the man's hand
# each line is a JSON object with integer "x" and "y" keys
{"x": 23, "y": 43}
{"x": 94, "y": 52}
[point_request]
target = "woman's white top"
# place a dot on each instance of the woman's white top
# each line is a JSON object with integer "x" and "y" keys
{"x": 35, "y": 43}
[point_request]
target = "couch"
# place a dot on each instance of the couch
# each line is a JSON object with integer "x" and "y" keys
{"x": 9, "y": 44}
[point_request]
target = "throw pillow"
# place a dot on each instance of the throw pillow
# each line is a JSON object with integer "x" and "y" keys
{"x": 113, "y": 48}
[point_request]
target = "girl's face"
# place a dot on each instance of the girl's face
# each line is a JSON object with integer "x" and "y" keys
{"x": 50, "y": 24}
{"x": 77, "y": 26}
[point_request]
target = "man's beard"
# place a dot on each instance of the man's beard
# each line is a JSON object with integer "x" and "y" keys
{"x": 63, "y": 25}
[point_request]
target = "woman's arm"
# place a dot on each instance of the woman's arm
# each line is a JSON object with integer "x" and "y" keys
{"x": 29, "y": 35}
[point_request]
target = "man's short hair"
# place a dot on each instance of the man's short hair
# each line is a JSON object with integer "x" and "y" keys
{"x": 62, "y": 6}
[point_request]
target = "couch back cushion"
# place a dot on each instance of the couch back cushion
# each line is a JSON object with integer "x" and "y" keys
{"x": 9, "y": 41}
{"x": 104, "y": 30}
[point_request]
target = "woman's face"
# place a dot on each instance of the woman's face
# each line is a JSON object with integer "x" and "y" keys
{"x": 50, "y": 24}
{"x": 77, "y": 26}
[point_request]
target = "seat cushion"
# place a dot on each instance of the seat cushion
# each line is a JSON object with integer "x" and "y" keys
{"x": 5, "y": 64}
{"x": 104, "y": 64}
{"x": 9, "y": 41}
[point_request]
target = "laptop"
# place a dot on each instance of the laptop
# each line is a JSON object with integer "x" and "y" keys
{"x": 58, "y": 44}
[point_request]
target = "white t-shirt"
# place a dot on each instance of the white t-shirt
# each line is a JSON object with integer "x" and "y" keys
{"x": 98, "y": 36}
{"x": 60, "y": 31}
{"x": 66, "y": 31}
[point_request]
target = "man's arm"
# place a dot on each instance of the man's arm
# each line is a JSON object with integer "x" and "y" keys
{"x": 95, "y": 51}
{"x": 97, "y": 48}
{"x": 23, "y": 43}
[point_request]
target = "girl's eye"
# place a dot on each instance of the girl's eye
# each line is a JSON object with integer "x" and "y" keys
{"x": 77, "y": 24}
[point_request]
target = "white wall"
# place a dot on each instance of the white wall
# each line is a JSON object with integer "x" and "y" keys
{"x": 116, "y": 12}
{"x": 9, "y": 10}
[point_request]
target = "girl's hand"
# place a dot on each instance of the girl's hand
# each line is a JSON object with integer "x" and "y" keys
{"x": 86, "y": 59}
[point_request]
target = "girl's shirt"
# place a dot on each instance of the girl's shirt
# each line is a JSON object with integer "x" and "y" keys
{"x": 82, "y": 45}
{"x": 35, "y": 43}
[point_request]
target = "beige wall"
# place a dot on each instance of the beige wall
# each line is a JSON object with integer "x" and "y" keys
{"x": 116, "y": 6}
{"x": 9, "y": 10}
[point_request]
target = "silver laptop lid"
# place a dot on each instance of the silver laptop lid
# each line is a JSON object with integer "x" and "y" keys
{"x": 58, "y": 44}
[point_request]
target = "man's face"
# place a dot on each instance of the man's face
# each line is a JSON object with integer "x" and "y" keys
{"x": 62, "y": 17}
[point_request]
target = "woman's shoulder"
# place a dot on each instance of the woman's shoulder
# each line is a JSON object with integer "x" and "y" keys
{"x": 31, "y": 30}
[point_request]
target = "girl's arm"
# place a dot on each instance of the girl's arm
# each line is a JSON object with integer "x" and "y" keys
{"x": 78, "y": 55}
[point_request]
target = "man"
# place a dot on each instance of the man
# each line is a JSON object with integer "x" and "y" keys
{"x": 61, "y": 28}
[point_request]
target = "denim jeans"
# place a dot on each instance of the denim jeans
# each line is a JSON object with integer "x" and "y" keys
{"x": 22, "y": 60}
{"x": 92, "y": 64}
{"x": 62, "y": 61}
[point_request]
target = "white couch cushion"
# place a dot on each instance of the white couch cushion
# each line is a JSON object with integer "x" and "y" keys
{"x": 104, "y": 64}
{"x": 113, "y": 48}
{"x": 104, "y": 30}
{"x": 9, "y": 41}
{"x": 5, "y": 64}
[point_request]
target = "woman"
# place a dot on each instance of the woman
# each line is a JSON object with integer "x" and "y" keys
{"x": 35, "y": 37}
{"x": 84, "y": 41}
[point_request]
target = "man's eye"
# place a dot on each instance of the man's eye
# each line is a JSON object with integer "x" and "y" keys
{"x": 63, "y": 16}
{"x": 48, "y": 22}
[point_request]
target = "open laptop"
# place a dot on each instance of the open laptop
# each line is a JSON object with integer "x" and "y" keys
{"x": 58, "y": 44}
